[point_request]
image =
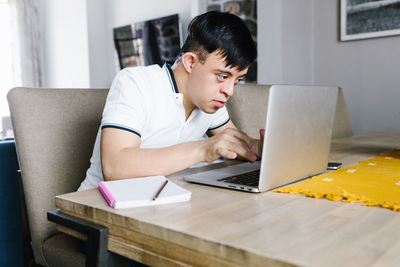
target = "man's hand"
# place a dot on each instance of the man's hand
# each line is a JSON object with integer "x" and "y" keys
{"x": 256, "y": 145}
{"x": 231, "y": 143}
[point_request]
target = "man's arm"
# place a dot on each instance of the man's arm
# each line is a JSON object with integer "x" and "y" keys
{"x": 122, "y": 157}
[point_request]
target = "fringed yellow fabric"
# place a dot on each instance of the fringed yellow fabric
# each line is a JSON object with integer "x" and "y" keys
{"x": 375, "y": 182}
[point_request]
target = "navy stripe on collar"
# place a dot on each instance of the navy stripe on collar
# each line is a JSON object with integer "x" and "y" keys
{"x": 222, "y": 124}
{"x": 171, "y": 75}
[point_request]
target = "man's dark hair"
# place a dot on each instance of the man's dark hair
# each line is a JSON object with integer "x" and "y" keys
{"x": 222, "y": 32}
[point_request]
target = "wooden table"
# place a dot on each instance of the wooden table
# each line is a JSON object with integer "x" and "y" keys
{"x": 219, "y": 227}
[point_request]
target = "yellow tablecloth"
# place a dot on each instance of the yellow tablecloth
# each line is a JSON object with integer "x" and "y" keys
{"x": 375, "y": 182}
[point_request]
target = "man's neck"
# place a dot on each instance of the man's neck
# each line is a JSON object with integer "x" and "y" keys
{"x": 181, "y": 79}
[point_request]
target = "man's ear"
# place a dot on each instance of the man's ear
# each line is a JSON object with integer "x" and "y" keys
{"x": 188, "y": 61}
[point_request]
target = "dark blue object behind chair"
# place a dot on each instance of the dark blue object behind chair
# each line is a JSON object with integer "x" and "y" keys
{"x": 11, "y": 253}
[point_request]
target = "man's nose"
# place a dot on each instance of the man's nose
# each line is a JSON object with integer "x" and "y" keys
{"x": 228, "y": 89}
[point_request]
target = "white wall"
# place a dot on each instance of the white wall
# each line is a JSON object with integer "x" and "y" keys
{"x": 98, "y": 33}
{"x": 64, "y": 43}
{"x": 368, "y": 71}
{"x": 299, "y": 43}
{"x": 285, "y": 45}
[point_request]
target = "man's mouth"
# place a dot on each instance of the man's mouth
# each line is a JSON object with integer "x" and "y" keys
{"x": 219, "y": 104}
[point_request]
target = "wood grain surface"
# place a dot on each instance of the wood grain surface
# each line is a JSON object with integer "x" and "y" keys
{"x": 222, "y": 227}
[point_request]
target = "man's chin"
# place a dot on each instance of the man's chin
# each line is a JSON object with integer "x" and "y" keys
{"x": 210, "y": 110}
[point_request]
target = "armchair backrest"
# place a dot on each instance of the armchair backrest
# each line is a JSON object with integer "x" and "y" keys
{"x": 55, "y": 130}
{"x": 248, "y": 110}
{"x": 248, "y": 107}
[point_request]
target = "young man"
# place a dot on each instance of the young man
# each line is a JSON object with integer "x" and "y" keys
{"x": 155, "y": 119}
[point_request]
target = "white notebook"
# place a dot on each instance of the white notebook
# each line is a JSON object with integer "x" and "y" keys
{"x": 137, "y": 192}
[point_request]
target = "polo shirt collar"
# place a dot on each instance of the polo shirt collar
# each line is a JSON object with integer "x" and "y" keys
{"x": 171, "y": 78}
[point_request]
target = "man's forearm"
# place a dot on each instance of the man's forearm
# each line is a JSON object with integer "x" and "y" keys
{"x": 121, "y": 157}
{"x": 138, "y": 162}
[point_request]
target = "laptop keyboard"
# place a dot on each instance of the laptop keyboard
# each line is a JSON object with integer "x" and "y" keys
{"x": 248, "y": 178}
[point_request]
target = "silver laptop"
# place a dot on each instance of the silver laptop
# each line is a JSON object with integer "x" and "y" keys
{"x": 297, "y": 139}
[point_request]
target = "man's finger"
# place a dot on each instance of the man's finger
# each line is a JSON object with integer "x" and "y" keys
{"x": 223, "y": 152}
{"x": 243, "y": 151}
{"x": 262, "y": 133}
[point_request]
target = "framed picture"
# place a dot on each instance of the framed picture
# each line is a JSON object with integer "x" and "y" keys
{"x": 361, "y": 19}
{"x": 148, "y": 42}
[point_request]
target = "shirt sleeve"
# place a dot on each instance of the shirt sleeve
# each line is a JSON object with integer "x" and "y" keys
{"x": 124, "y": 108}
{"x": 219, "y": 118}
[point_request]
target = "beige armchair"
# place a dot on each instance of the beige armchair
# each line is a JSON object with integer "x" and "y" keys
{"x": 55, "y": 130}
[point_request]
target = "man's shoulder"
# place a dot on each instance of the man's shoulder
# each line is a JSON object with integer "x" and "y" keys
{"x": 141, "y": 72}
{"x": 145, "y": 80}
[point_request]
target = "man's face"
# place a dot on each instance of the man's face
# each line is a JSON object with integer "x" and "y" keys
{"x": 211, "y": 83}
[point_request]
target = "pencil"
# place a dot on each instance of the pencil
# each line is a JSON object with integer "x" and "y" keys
{"x": 159, "y": 190}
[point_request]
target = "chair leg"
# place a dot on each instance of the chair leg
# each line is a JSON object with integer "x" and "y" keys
{"x": 97, "y": 254}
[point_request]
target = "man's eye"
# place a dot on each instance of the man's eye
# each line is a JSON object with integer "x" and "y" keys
{"x": 222, "y": 77}
{"x": 241, "y": 80}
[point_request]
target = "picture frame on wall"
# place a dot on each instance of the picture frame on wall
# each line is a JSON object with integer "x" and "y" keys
{"x": 362, "y": 19}
{"x": 148, "y": 42}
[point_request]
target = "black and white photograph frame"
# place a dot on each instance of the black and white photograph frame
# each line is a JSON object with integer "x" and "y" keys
{"x": 362, "y": 19}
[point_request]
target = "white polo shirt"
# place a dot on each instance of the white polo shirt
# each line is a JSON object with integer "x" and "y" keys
{"x": 145, "y": 101}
